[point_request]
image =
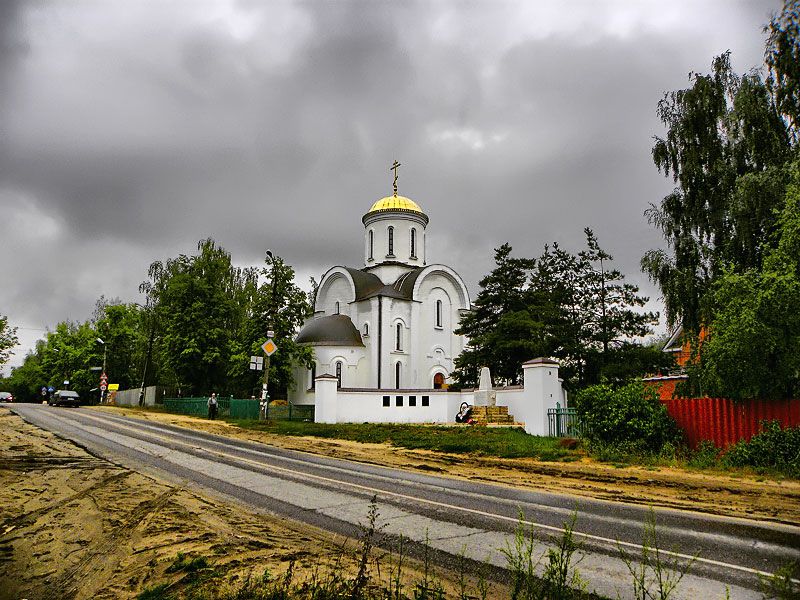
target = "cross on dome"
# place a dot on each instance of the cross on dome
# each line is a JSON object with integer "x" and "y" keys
{"x": 394, "y": 168}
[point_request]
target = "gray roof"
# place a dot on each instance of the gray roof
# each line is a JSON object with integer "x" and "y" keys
{"x": 541, "y": 361}
{"x": 369, "y": 285}
{"x": 333, "y": 330}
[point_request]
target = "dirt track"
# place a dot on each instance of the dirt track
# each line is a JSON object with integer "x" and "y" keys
{"x": 714, "y": 493}
{"x": 76, "y": 526}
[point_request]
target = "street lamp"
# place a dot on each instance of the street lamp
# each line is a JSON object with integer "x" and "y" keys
{"x": 105, "y": 353}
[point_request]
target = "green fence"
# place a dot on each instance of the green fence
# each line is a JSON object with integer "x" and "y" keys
{"x": 236, "y": 408}
{"x": 290, "y": 412}
{"x": 564, "y": 422}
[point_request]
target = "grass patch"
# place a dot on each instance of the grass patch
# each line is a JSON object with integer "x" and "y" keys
{"x": 156, "y": 592}
{"x": 503, "y": 442}
{"x": 187, "y": 564}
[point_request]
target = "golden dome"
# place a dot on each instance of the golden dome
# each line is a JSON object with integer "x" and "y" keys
{"x": 395, "y": 203}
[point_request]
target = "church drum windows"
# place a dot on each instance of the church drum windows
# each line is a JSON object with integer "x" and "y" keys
{"x": 366, "y": 330}
{"x": 390, "y": 232}
{"x": 338, "y": 373}
{"x": 336, "y": 308}
{"x": 413, "y": 243}
{"x": 371, "y": 244}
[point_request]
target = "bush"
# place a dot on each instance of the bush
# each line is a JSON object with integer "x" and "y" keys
{"x": 706, "y": 456}
{"x": 773, "y": 448}
{"x": 630, "y": 418}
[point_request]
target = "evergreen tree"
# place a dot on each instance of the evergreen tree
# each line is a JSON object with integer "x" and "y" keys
{"x": 501, "y": 329}
{"x": 572, "y": 307}
{"x": 592, "y": 316}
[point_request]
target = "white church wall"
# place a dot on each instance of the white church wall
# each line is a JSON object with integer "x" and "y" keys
{"x": 336, "y": 289}
{"x": 439, "y": 345}
{"x": 302, "y": 392}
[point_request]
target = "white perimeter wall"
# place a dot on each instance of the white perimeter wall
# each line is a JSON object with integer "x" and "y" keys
{"x": 528, "y": 404}
{"x": 368, "y": 406}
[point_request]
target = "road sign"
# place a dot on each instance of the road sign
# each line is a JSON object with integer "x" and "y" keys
{"x": 103, "y": 387}
{"x": 51, "y": 389}
{"x": 256, "y": 363}
{"x": 269, "y": 347}
{"x": 44, "y": 391}
{"x": 104, "y": 378}
{"x": 113, "y": 387}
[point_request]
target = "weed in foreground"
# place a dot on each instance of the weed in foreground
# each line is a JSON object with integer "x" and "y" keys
{"x": 560, "y": 580}
{"x": 520, "y": 561}
{"x": 783, "y": 584}
{"x": 654, "y": 575}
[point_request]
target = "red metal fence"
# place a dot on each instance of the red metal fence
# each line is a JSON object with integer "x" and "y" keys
{"x": 724, "y": 421}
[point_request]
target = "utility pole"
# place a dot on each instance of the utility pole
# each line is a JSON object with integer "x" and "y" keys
{"x": 268, "y": 346}
{"x": 103, "y": 376}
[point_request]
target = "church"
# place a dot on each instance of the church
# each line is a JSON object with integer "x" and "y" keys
{"x": 391, "y": 323}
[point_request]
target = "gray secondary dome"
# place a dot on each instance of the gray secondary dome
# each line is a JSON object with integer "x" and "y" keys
{"x": 333, "y": 330}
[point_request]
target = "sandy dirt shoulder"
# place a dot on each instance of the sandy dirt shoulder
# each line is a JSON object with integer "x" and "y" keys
{"x": 733, "y": 495}
{"x": 76, "y": 526}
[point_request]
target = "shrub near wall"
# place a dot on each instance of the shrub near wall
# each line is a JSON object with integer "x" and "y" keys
{"x": 629, "y": 419}
{"x": 773, "y": 448}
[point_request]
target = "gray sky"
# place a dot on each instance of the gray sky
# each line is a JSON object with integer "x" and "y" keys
{"x": 131, "y": 129}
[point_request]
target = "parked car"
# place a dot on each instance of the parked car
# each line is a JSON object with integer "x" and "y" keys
{"x": 6, "y": 397}
{"x": 65, "y": 398}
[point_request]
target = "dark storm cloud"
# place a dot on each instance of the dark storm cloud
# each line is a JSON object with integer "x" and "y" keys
{"x": 132, "y": 130}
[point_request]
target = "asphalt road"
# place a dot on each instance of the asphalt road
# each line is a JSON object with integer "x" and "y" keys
{"x": 454, "y": 516}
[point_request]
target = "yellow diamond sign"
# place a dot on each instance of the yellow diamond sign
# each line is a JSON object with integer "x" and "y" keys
{"x": 269, "y": 347}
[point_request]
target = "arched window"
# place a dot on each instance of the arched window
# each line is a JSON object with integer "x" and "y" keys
{"x": 336, "y": 310}
{"x": 366, "y": 329}
{"x": 338, "y": 373}
{"x": 438, "y": 381}
{"x": 397, "y": 368}
{"x": 438, "y": 313}
{"x": 398, "y": 337}
{"x": 313, "y": 375}
{"x": 371, "y": 243}
{"x": 391, "y": 241}
{"x": 413, "y": 243}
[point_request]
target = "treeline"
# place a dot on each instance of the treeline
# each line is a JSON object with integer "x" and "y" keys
{"x": 200, "y": 321}
{"x": 730, "y": 275}
{"x": 574, "y": 307}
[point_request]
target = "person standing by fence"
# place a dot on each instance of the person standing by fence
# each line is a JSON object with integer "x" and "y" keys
{"x": 212, "y": 406}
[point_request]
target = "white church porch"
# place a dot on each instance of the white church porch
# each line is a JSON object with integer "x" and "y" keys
{"x": 527, "y": 403}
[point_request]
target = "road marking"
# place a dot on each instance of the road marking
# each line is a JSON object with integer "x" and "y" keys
{"x": 378, "y": 491}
